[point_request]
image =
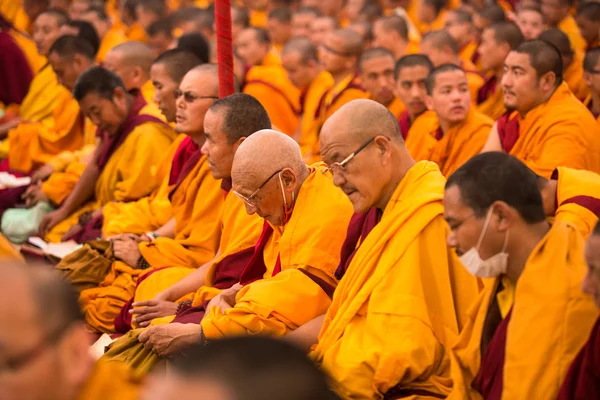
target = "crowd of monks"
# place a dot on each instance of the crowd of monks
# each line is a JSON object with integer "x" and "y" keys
{"x": 405, "y": 192}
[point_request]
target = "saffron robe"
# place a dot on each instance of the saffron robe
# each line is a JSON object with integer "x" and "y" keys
{"x": 399, "y": 305}
{"x": 135, "y": 32}
{"x": 490, "y": 99}
{"x": 449, "y": 150}
{"x": 474, "y": 78}
{"x": 562, "y": 317}
{"x": 467, "y": 52}
{"x": 113, "y": 37}
{"x": 310, "y": 102}
{"x": 272, "y": 88}
{"x": 14, "y": 13}
{"x": 110, "y": 381}
{"x": 396, "y": 107}
{"x": 297, "y": 267}
{"x": 571, "y": 29}
{"x": 573, "y": 75}
{"x": 560, "y": 132}
{"x": 426, "y": 119}
{"x": 42, "y": 98}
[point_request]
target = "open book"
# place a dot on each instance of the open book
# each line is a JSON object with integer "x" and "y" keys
{"x": 56, "y": 250}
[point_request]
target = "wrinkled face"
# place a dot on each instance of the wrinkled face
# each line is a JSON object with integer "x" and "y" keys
{"x": 194, "y": 102}
{"x": 219, "y": 152}
{"x": 491, "y": 53}
{"x": 114, "y": 63}
{"x": 107, "y": 114}
{"x": 531, "y": 24}
{"x": 45, "y": 33}
{"x": 333, "y": 56}
{"x": 520, "y": 84}
{"x": 437, "y": 56}
{"x": 67, "y": 70}
{"x": 164, "y": 91}
{"x": 173, "y": 386}
{"x": 301, "y": 23}
{"x": 352, "y": 9}
{"x": 299, "y": 71}
{"x": 554, "y": 11}
{"x": 249, "y": 48}
{"x": 159, "y": 43}
{"x": 377, "y": 77}
{"x": 591, "y": 281}
{"x": 321, "y": 28}
{"x": 384, "y": 38}
{"x": 460, "y": 31}
{"x": 280, "y": 32}
{"x": 450, "y": 98}
{"x": 77, "y": 8}
{"x": 588, "y": 28}
{"x": 410, "y": 88}
{"x": 592, "y": 78}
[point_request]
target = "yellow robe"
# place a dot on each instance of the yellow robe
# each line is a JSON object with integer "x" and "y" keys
{"x": 309, "y": 139}
{"x": 13, "y": 12}
{"x": 396, "y": 107}
{"x": 29, "y": 48}
{"x": 136, "y": 33}
{"x": 466, "y": 53}
{"x": 113, "y": 37}
{"x": 573, "y": 75}
{"x": 474, "y": 79}
{"x": 272, "y": 59}
{"x": 571, "y": 29}
{"x": 196, "y": 206}
{"x": 400, "y": 305}
{"x": 8, "y": 251}
{"x": 551, "y": 319}
{"x": 110, "y": 381}
{"x": 310, "y": 243}
{"x": 455, "y": 147}
{"x": 258, "y": 18}
{"x": 272, "y": 88}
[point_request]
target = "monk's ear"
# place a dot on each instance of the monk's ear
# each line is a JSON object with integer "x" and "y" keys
{"x": 74, "y": 358}
{"x": 289, "y": 179}
{"x": 504, "y": 214}
{"x": 548, "y": 81}
{"x": 119, "y": 96}
{"x": 237, "y": 144}
{"x": 587, "y": 78}
{"x": 429, "y": 102}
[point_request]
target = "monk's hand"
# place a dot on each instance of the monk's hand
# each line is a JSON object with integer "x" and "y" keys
{"x": 42, "y": 173}
{"x": 51, "y": 220}
{"x": 225, "y": 299}
{"x": 145, "y": 311}
{"x": 34, "y": 194}
{"x": 167, "y": 340}
{"x": 127, "y": 250}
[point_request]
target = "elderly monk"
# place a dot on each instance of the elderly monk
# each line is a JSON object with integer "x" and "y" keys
{"x": 530, "y": 21}
{"x": 582, "y": 381}
{"x": 397, "y": 299}
{"x": 411, "y": 76}
{"x": 302, "y": 20}
{"x": 459, "y": 132}
{"x": 45, "y": 352}
{"x": 441, "y": 49}
{"x": 498, "y": 224}
{"x": 377, "y": 66}
{"x": 549, "y": 127}
{"x": 497, "y": 42}
{"x": 572, "y": 62}
{"x": 109, "y": 34}
{"x": 588, "y": 20}
{"x": 591, "y": 75}
{"x": 557, "y": 14}
{"x": 321, "y": 27}
{"x": 300, "y": 60}
{"x": 131, "y": 144}
{"x": 254, "y": 46}
{"x": 392, "y": 33}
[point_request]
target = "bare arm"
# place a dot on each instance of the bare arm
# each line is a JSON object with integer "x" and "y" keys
{"x": 493, "y": 141}
{"x": 306, "y": 335}
{"x": 168, "y": 229}
{"x": 4, "y": 128}
{"x": 189, "y": 284}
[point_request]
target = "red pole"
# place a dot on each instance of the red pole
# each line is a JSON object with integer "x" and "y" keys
{"x": 224, "y": 47}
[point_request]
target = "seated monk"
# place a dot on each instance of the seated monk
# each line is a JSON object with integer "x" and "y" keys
{"x": 430, "y": 15}
{"x": 459, "y": 24}
{"x": 396, "y": 300}
{"x": 82, "y": 29}
{"x": 441, "y": 49}
{"x": 109, "y": 34}
{"x": 190, "y": 237}
{"x": 300, "y": 60}
{"x": 572, "y": 62}
{"x": 302, "y": 20}
{"x": 40, "y": 311}
{"x": 320, "y": 27}
{"x": 532, "y": 315}
{"x": 279, "y": 26}
{"x": 411, "y": 76}
{"x": 588, "y": 21}
{"x": 549, "y": 127}
{"x": 591, "y": 76}
{"x": 458, "y": 133}
{"x": 131, "y": 145}
{"x": 253, "y": 45}
{"x": 582, "y": 381}
{"x": 377, "y": 67}
{"x": 530, "y": 21}
{"x": 557, "y": 14}
{"x": 392, "y": 33}
{"x": 497, "y": 42}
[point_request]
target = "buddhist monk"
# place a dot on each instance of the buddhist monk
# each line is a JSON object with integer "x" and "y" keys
{"x": 300, "y": 60}
{"x": 195, "y": 43}
{"x": 572, "y": 62}
{"x": 45, "y": 348}
{"x": 548, "y": 126}
{"x": 129, "y": 18}
{"x": 240, "y": 20}
{"x": 392, "y": 33}
{"x": 254, "y": 46}
{"x": 441, "y": 49}
{"x": 363, "y": 146}
{"x": 430, "y": 15}
{"x": 160, "y": 36}
{"x": 82, "y": 29}
{"x": 487, "y": 16}
{"x": 588, "y": 21}
{"x": 33, "y": 8}
{"x": 591, "y": 75}
{"x": 148, "y": 11}
{"x": 279, "y": 26}
{"x": 271, "y": 370}
{"x": 496, "y": 216}
{"x": 110, "y": 35}
{"x": 530, "y": 21}
{"x": 377, "y": 66}
{"x": 321, "y": 27}
{"x": 581, "y": 381}
{"x": 302, "y": 21}
{"x": 459, "y": 24}
{"x": 497, "y": 42}
{"x": 459, "y": 132}
{"x": 411, "y": 76}
{"x": 557, "y": 15}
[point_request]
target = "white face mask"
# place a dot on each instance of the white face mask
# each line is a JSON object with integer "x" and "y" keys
{"x": 492, "y": 267}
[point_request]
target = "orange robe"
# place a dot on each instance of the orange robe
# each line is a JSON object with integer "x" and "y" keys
{"x": 26, "y": 43}
{"x": 113, "y": 37}
{"x": 258, "y": 18}
{"x": 272, "y": 88}
{"x": 136, "y": 32}
{"x": 110, "y": 381}
{"x": 560, "y": 132}
{"x": 13, "y": 12}
{"x": 466, "y": 54}
{"x": 8, "y": 251}
{"x": 573, "y": 75}
{"x": 449, "y": 150}
{"x": 399, "y": 305}
{"x": 271, "y": 59}
{"x": 396, "y": 107}
{"x": 554, "y": 305}
{"x": 490, "y": 99}
{"x": 571, "y": 29}
{"x": 474, "y": 78}
{"x": 309, "y": 103}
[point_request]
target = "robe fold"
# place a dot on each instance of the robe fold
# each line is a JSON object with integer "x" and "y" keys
{"x": 13, "y": 12}
{"x": 135, "y": 32}
{"x": 399, "y": 305}
{"x": 449, "y": 150}
{"x": 396, "y": 107}
{"x": 571, "y": 29}
{"x": 110, "y": 381}
{"x": 467, "y": 52}
{"x": 42, "y": 97}
{"x": 475, "y": 79}
{"x": 310, "y": 102}
{"x": 490, "y": 99}
{"x": 113, "y": 37}
{"x": 573, "y": 75}
{"x": 554, "y": 305}
{"x": 15, "y": 72}
{"x": 560, "y": 132}
{"x": 427, "y": 119}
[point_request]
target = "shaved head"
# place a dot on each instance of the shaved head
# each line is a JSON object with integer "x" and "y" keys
{"x": 441, "y": 40}
{"x": 135, "y": 53}
{"x": 350, "y": 40}
{"x": 177, "y": 62}
{"x": 373, "y": 53}
{"x": 302, "y": 46}
{"x": 559, "y": 39}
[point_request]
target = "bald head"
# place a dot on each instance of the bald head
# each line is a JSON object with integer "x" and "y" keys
{"x": 350, "y": 40}
{"x": 132, "y": 62}
{"x": 302, "y": 46}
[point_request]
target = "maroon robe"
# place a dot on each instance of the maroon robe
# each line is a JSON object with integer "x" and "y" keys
{"x": 15, "y": 72}
{"x": 508, "y": 131}
{"x": 405, "y": 123}
{"x": 488, "y": 88}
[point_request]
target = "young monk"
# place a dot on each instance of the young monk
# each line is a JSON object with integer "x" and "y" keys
{"x": 109, "y": 34}
{"x": 459, "y": 24}
{"x": 321, "y": 27}
{"x": 377, "y": 67}
{"x": 300, "y": 60}
{"x": 588, "y": 21}
{"x": 557, "y": 14}
{"x": 253, "y": 45}
{"x": 459, "y": 132}
{"x": 549, "y": 127}
{"x": 302, "y": 20}
{"x": 411, "y": 75}
{"x": 591, "y": 76}
{"x": 160, "y": 36}
{"x": 279, "y": 26}
{"x": 497, "y": 42}
{"x": 39, "y": 310}
{"x": 501, "y": 232}
{"x": 530, "y": 21}
{"x": 572, "y": 62}
{"x": 399, "y": 301}
{"x": 441, "y": 49}
{"x": 392, "y": 33}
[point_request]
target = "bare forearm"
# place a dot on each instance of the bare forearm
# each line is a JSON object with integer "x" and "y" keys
{"x": 189, "y": 284}
{"x": 168, "y": 229}
{"x": 306, "y": 335}
{"x": 84, "y": 189}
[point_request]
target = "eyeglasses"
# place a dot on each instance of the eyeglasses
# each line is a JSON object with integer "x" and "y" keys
{"x": 336, "y": 52}
{"x": 341, "y": 166}
{"x": 250, "y": 200}
{"x": 189, "y": 97}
